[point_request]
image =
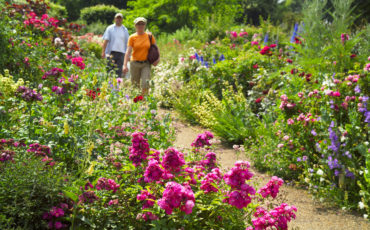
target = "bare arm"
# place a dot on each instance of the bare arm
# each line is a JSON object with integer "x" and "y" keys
{"x": 105, "y": 43}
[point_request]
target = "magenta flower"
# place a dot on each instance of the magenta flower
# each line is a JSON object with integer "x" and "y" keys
{"x": 177, "y": 196}
{"x": 271, "y": 188}
{"x": 173, "y": 160}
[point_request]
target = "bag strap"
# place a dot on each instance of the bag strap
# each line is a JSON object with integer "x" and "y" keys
{"x": 150, "y": 39}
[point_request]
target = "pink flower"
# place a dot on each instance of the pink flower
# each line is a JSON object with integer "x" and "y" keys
{"x": 300, "y": 94}
{"x": 290, "y": 121}
{"x": 280, "y": 146}
{"x": 234, "y": 34}
{"x": 177, "y": 196}
{"x": 254, "y": 43}
{"x": 336, "y": 94}
{"x": 173, "y": 160}
{"x": 202, "y": 140}
{"x": 271, "y": 188}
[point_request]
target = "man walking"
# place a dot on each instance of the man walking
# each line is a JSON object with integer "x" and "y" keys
{"x": 115, "y": 44}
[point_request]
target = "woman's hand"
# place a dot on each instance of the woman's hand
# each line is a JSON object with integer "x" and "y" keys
{"x": 156, "y": 62}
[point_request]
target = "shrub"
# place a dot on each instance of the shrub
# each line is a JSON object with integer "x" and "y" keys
{"x": 102, "y": 13}
{"x": 57, "y": 10}
{"x": 28, "y": 189}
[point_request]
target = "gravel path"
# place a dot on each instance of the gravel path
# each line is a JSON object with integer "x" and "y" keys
{"x": 311, "y": 214}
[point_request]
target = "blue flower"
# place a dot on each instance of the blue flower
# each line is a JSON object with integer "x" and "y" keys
{"x": 222, "y": 57}
{"x": 197, "y": 56}
{"x": 214, "y": 61}
{"x": 266, "y": 39}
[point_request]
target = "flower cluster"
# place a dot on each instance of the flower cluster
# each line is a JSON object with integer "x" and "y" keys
{"x": 28, "y": 94}
{"x": 210, "y": 160}
{"x": 107, "y": 184}
{"x": 6, "y": 155}
{"x": 177, "y": 196}
{"x": 146, "y": 196}
{"x": 53, "y": 72}
{"x": 285, "y": 104}
{"x": 173, "y": 160}
{"x": 79, "y": 62}
{"x": 40, "y": 23}
{"x": 139, "y": 148}
{"x": 202, "y": 140}
{"x": 271, "y": 188}
{"x": 277, "y": 218}
{"x": 267, "y": 50}
{"x": 212, "y": 178}
{"x": 92, "y": 93}
{"x": 153, "y": 172}
{"x": 54, "y": 214}
{"x": 39, "y": 150}
{"x": 87, "y": 197}
{"x": 240, "y": 191}
{"x": 138, "y": 98}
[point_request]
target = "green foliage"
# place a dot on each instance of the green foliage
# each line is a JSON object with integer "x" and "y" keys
{"x": 96, "y": 28}
{"x": 28, "y": 189}
{"x": 57, "y": 11}
{"x": 170, "y": 15}
{"x": 99, "y": 13}
{"x": 75, "y": 6}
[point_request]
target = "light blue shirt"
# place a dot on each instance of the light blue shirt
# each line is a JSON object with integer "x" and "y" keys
{"x": 117, "y": 37}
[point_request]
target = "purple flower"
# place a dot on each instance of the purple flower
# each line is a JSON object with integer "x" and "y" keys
{"x": 299, "y": 159}
{"x": 357, "y": 89}
{"x": 350, "y": 174}
{"x": 304, "y": 158}
{"x": 335, "y": 144}
{"x": 333, "y": 163}
{"x": 313, "y": 132}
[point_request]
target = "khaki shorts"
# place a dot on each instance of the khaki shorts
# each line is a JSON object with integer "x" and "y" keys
{"x": 140, "y": 71}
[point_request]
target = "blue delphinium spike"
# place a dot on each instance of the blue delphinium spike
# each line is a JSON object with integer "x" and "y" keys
{"x": 222, "y": 57}
{"x": 206, "y": 64}
{"x": 214, "y": 61}
{"x": 197, "y": 56}
{"x": 266, "y": 38}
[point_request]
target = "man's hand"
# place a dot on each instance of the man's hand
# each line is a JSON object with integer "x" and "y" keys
{"x": 103, "y": 55}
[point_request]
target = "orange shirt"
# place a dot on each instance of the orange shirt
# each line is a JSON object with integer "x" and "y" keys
{"x": 140, "y": 46}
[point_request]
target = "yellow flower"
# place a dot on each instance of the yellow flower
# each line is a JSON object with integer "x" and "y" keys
{"x": 90, "y": 170}
{"x": 66, "y": 127}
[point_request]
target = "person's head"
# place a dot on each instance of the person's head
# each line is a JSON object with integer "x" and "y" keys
{"x": 140, "y": 24}
{"x": 118, "y": 19}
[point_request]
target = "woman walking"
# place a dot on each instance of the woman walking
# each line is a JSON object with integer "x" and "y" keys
{"x": 138, "y": 45}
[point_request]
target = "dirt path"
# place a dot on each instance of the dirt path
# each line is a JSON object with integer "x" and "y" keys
{"x": 311, "y": 215}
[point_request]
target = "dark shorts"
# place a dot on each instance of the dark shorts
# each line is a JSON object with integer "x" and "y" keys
{"x": 115, "y": 62}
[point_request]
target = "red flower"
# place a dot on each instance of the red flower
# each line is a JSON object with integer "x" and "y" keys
{"x": 273, "y": 45}
{"x": 255, "y": 66}
{"x": 294, "y": 71}
{"x": 258, "y": 100}
{"x": 265, "y": 50}
{"x": 289, "y": 60}
{"x": 353, "y": 56}
{"x": 138, "y": 98}
{"x": 297, "y": 41}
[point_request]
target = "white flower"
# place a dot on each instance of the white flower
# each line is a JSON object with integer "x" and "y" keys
{"x": 321, "y": 179}
{"x": 361, "y": 205}
{"x": 320, "y": 172}
{"x": 365, "y": 216}
{"x": 366, "y": 143}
